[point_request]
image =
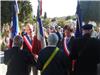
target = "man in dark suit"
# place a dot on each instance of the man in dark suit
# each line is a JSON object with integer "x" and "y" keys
{"x": 68, "y": 35}
{"x": 27, "y": 44}
{"x": 58, "y": 65}
{"x": 86, "y": 52}
{"x": 16, "y": 59}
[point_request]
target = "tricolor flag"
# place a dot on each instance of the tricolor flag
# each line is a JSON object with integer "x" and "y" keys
{"x": 14, "y": 22}
{"x": 78, "y": 32}
{"x": 40, "y": 7}
{"x": 40, "y": 33}
{"x": 39, "y": 39}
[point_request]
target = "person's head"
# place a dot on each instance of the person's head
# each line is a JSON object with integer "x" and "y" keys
{"x": 28, "y": 28}
{"x": 18, "y": 41}
{"x": 57, "y": 28}
{"x": 52, "y": 39}
{"x": 52, "y": 29}
{"x": 68, "y": 30}
{"x": 87, "y": 29}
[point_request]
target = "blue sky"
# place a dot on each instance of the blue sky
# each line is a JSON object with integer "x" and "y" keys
{"x": 56, "y": 8}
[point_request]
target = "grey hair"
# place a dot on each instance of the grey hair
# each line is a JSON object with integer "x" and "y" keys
{"x": 18, "y": 41}
{"x": 52, "y": 39}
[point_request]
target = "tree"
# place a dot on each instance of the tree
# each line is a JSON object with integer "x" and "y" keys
{"x": 90, "y": 10}
{"x": 46, "y": 22}
{"x": 68, "y": 17}
{"x": 45, "y": 15}
{"x": 25, "y": 10}
{"x": 61, "y": 22}
{"x": 5, "y": 12}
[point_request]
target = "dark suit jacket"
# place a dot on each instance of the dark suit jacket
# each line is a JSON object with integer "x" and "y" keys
{"x": 86, "y": 51}
{"x": 17, "y": 61}
{"x": 59, "y": 64}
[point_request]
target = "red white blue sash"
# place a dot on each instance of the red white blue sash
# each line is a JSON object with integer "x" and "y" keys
{"x": 65, "y": 47}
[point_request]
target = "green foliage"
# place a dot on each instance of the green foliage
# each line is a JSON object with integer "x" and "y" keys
{"x": 3, "y": 46}
{"x": 25, "y": 11}
{"x": 5, "y": 12}
{"x": 61, "y": 22}
{"x": 46, "y": 22}
{"x": 70, "y": 17}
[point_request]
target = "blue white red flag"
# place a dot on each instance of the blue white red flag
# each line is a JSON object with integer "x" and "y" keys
{"x": 39, "y": 39}
{"x": 40, "y": 33}
{"x": 40, "y": 7}
{"x": 14, "y": 22}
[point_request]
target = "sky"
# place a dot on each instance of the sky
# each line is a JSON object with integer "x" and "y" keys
{"x": 56, "y": 8}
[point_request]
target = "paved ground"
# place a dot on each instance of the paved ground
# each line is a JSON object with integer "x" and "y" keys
{"x": 3, "y": 69}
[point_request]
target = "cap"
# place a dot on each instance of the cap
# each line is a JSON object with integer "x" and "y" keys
{"x": 87, "y": 27}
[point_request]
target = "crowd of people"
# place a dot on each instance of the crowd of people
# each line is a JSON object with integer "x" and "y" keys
{"x": 64, "y": 53}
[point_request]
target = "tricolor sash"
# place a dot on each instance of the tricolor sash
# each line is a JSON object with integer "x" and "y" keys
{"x": 65, "y": 47}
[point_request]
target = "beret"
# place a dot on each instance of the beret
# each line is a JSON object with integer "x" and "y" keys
{"x": 87, "y": 27}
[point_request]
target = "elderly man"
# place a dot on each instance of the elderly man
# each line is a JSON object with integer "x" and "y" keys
{"x": 16, "y": 59}
{"x": 51, "y": 60}
{"x": 86, "y": 51}
{"x": 27, "y": 44}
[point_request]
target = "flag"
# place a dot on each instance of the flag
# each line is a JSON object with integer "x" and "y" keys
{"x": 39, "y": 39}
{"x": 40, "y": 35}
{"x": 14, "y": 22}
{"x": 40, "y": 32}
{"x": 40, "y": 7}
{"x": 78, "y": 32}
